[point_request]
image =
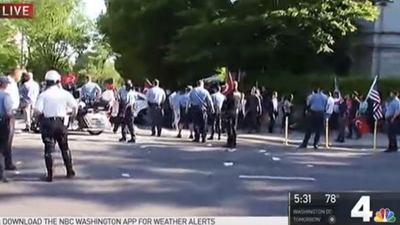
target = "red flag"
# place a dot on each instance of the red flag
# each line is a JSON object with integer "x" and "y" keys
{"x": 147, "y": 85}
{"x": 362, "y": 125}
{"x": 68, "y": 79}
{"x": 229, "y": 85}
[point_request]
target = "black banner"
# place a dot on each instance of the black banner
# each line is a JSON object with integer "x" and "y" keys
{"x": 344, "y": 208}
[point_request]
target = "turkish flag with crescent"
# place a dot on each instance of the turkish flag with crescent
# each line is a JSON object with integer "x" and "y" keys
{"x": 229, "y": 86}
{"x": 361, "y": 124}
{"x": 68, "y": 79}
{"x": 147, "y": 86}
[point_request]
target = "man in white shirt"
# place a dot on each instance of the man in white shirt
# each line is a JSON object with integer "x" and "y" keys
{"x": 273, "y": 111}
{"x": 12, "y": 90}
{"x": 129, "y": 114}
{"x": 29, "y": 91}
{"x": 52, "y": 105}
{"x": 174, "y": 100}
{"x": 329, "y": 106}
{"x": 156, "y": 97}
{"x": 216, "y": 123}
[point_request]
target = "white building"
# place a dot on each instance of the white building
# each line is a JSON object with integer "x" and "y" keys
{"x": 379, "y": 52}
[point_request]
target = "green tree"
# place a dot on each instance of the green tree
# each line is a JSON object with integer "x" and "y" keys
{"x": 188, "y": 39}
{"x": 283, "y": 35}
{"x": 59, "y": 31}
{"x": 9, "y": 52}
{"x": 140, "y": 32}
{"x": 97, "y": 61}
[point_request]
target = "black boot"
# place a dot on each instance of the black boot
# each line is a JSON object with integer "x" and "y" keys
{"x": 67, "y": 158}
{"x": 48, "y": 159}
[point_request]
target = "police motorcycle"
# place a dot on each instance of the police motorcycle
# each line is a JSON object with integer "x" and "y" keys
{"x": 91, "y": 117}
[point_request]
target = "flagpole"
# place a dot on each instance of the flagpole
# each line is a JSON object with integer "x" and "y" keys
{"x": 372, "y": 86}
{"x": 375, "y": 133}
{"x": 327, "y": 133}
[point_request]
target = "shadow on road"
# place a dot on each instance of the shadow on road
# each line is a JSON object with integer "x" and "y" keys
{"x": 186, "y": 175}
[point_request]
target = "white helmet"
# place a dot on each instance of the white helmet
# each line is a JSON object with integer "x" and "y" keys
{"x": 52, "y": 75}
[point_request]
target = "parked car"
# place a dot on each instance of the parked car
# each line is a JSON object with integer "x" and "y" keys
{"x": 142, "y": 116}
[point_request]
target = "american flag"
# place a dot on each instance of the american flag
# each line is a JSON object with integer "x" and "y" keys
{"x": 376, "y": 100}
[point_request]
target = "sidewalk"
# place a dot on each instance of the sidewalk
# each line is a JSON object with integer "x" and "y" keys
{"x": 296, "y": 138}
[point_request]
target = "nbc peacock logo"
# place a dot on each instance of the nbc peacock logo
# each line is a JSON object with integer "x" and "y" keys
{"x": 385, "y": 216}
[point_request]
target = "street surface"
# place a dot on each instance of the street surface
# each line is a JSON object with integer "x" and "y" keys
{"x": 171, "y": 177}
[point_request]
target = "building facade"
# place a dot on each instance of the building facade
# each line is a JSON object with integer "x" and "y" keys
{"x": 379, "y": 49}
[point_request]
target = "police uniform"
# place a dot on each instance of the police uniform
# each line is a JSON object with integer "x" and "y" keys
{"x": 128, "y": 117}
{"x": 218, "y": 100}
{"x": 13, "y": 91}
{"x": 156, "y": 97}
{"x": 200, "y": 101}
{"x": 231, "y": 108}
{"x": 6, "y": 107}
{"x": 52, "y": 105}
{"x": 315, "y": 118}
{"x": 392, "y": 111}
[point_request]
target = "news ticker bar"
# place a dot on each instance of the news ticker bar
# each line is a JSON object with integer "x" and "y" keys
{"x": 143, "y": 220}
{"x": 342, "y": 208}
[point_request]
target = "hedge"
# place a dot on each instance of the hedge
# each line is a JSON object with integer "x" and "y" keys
{"x": 301, "y": 86}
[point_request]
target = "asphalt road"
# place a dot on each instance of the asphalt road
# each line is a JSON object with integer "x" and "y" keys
{"x": 171, "y": 177}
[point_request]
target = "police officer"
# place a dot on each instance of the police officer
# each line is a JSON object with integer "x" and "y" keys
{"x": 6, "y": 107}
{"x": 391, "y": 115}
{"x": 232, "y": 106}
{"x": 185, "y": 117}
{"x": 128, "y": 117}
{"x": 156, "y": 97}
{"x": 218, "y": 100}
{"x": 121, "y": 98}
{"x": 90, "y": 91}
{"x": 200, "y": 102}
{"x": 52, "y": 105}
{"x": 316, "y": 117}
{"x": 13, "y": 91}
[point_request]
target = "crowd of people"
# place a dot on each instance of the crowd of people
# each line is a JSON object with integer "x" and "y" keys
{"x": 200, "y": 109}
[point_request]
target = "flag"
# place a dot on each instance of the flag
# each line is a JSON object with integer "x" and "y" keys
{"x": 376, "y": 100}
{"x": 336, "y": 85}
{"x": 362, "y": 125}
{"x": 68, "y": 79}
{"x": 147, "y": 85}
{"x": 229, "y": 85}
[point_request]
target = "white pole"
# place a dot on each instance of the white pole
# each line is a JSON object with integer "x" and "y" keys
{"x": 375, "y": 133}
{"x": 327, "y": 133}
{"x": 286, "y": 131}
{"x": 372, "y": 86}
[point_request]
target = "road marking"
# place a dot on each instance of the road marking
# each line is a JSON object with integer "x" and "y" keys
{"x": 276, "y": 178}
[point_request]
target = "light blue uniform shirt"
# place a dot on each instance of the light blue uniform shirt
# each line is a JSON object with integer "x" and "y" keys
{"x": 184, "y": 100}
{"x": 174, "y": 99}
{"x": 156, "y": 95}
{"x": 392, "y": 107}
{"x": 90, "y": 89}
{"x": 318, "y": 102}
{"x": 122, "y": 93}
{"x": 199, "y": 96}
{"x": 6, "y": 103}
{"x": 218, "y": 100}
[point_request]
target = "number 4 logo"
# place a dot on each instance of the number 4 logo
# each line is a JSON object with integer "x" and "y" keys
{"x": 362, "y": 209}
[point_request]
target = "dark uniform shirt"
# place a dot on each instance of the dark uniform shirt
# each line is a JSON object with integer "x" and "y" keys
{"x": 233, "y": 103}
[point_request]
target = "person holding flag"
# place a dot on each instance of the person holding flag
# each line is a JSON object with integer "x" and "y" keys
{"x": 392, "y": 112}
